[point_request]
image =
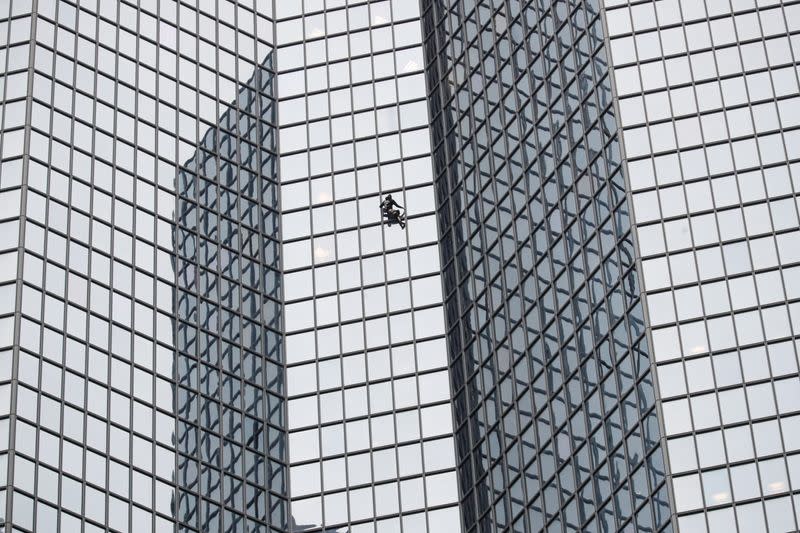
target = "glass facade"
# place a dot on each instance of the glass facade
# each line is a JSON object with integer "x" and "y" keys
{"x": 553, "y": 395}
{"x": 229, "y": 371}
{"x": 370, "y": 425}
{"x": 708, "y": 99}
{"x": 141, "y": 371}
{"x": 205, "y": 326}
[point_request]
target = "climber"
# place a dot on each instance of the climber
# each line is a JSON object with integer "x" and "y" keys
{"x": 392, "y": 215}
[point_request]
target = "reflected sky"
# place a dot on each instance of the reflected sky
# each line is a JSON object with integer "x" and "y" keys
{"x": 708, "y": 94}
{"x": 368, "y": 387}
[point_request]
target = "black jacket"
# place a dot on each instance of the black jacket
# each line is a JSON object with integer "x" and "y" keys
{"x": 389, "y": 203}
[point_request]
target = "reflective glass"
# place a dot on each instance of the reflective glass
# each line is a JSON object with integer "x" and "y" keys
{"x": 723, "y": 194}
{"x": 362, "y": 298}
{"x": 531, "y": 200}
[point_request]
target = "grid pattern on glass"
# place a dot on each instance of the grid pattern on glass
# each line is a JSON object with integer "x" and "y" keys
{"x": 708, "y": 93}
{"x": 15, "y": 37}
{"x": 370, "y": 441}
{"x": 554, "y": 403}
{"x": 119, "y": 93}
{"x": 229, "y": 372}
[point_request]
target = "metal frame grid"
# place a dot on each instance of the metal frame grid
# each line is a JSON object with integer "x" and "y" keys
{"x": 708, "y": 98}
{"x": 230, "y": 368}
{"x": 369, "y": 414}
{"x": 553, "y": 395}
{"x": 15, "y": 31}
{"x": 116, "y": 95}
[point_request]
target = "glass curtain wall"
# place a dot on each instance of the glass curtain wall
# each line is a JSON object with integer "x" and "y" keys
{"x": 229, "y": 370}
{"x": 15, "y": 54}
{"x": 370, "y": 442}
{"x": 708, "y": 94}
{"x": 108, "y": 107}
{"x": 554, "y": 402}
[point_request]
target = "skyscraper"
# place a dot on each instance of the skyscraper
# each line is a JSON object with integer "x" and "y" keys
{"x": 181, "y": 304}
{"x": 370, "y": 431}
{"x": 586, "y": 325}
{"x": 229, "y": 372}
{"x": 139, "y": 186}
{"x": 554, "y": 401}
{"x": 708, "y": 96}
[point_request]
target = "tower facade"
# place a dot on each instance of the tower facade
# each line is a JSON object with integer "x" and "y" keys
{"x": 229, "y": 376}
{"x": 142, "y": 369}
{"x": 553, "y": 390}
{"x": 587, "y": 324}
{"x": 369, "y": 418}
{"x": 204, "y": 315}
{"x": 708, "y": 95}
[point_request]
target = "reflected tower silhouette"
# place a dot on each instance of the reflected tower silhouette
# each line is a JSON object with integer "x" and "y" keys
{"x": 229, "y": 391}
{"x": 553, "y": 393}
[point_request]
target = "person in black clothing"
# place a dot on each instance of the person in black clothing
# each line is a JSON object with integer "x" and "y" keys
{"x": 393, "y": 215}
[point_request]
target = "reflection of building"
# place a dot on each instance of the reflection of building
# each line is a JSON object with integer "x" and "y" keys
{"x": 553, "y": 395}
{"x": 230, "y": 436}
